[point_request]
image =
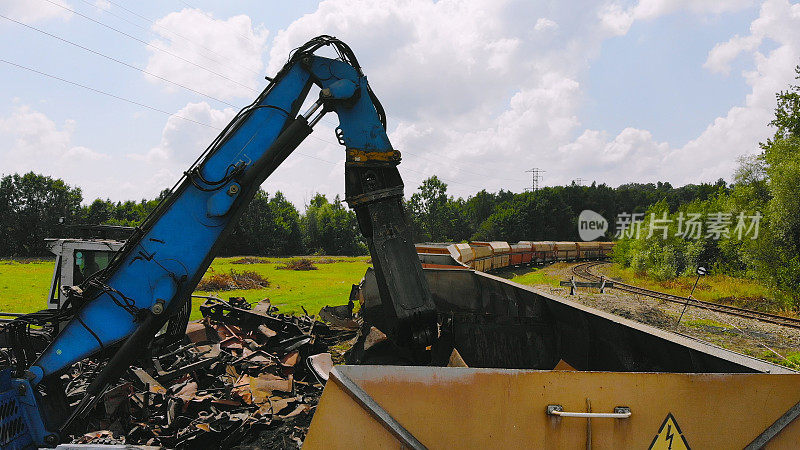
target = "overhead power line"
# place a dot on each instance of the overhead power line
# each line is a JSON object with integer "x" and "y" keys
{"x": 98, "y": 91}
{"x": 151, "y": 45}
{"x": 67, "y": 41}
{"x": 167, "y": 30}
{"x": 127, "y": 100}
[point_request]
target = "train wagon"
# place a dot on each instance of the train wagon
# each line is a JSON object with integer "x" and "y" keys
{"x": 543, "y": 251}
{"x": 521, "y": 253}
{"x": 588, "y": 250}
{"x": 566, "y": 251}
{"x": 501, "y": 254}
{"x": 463, "y": 253}
{"x": 483, "y": 256}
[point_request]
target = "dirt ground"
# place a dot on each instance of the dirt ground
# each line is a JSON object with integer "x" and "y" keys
{"x": 767, "y": 341}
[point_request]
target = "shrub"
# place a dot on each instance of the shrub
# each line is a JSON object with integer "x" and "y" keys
{"x": 250, "y": 260}
{"x": 298, "y": 264}
{"x": 233, "y": 280}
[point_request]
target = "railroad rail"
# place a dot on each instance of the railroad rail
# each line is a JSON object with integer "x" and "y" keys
{"x": 582, "y": 270}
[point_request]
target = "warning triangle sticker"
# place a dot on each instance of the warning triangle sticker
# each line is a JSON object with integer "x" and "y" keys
{"x": 669, "y": 436}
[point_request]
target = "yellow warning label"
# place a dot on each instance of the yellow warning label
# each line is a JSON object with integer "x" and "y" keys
{"x": 669, "y": 436}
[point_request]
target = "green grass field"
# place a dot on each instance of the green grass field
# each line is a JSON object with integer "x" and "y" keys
{"x": 24, "y": 285}
{"x": 532, "y": 276}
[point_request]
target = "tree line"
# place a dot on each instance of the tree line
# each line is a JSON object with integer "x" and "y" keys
{"x": 34, "y": 207}
{"x": 549, "y": 213}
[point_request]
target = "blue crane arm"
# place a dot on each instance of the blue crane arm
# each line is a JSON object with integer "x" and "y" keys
{"x": 159, "y": 267}
{"x": 167, "y": 259}
{"x": 154, "y": 274}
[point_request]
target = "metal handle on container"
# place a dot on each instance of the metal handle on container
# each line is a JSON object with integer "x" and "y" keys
{"x": 620, "y": 412}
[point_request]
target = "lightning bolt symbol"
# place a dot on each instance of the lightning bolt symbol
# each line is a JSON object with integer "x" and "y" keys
{"x": 670, "y": 435}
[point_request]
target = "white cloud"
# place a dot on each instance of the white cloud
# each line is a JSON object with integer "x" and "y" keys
{"x": 34, "y": 11}
{"x": 31, "y": 141}
{"x": 650, "y": 9}
{"x": 632, "y": 148}
{"x": 318, "y": 165}
{"x": 545, "y": 24}
{"x": 424, "y": 59}
{"x": 221, "y": 58}
{"x": 31, "y": 135}
{"x": 182, "y": 141}
{"x": 79, "y": 153}
{"x": 778, "y": 21}
{"x": 739, "y": 131}
{"x": 468, "y": 83}
{"x": 617, "y": 19}
{"x": 721, "y": 56}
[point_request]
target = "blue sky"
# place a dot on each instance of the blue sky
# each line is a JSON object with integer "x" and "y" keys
{"x": 653, "y": 77}
{"x": 476, "y": 91}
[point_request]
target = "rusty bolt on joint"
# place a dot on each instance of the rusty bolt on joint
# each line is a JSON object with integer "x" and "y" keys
{"x": 158, "y": 307}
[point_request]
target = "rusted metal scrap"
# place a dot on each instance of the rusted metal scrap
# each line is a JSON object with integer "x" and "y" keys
{"x": 239, "y": 378}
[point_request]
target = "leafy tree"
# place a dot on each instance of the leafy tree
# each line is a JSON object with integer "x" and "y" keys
{"x": 331, "y": 229}
{"x": 787, "y": 112}
{"x": 266, "y": 227}
{"x": 100, "y": 211}
{"x": 479, "y": 207}
{"x": 434, "y": 215}
{"x": 778, "y": 253}
{"x": 540, "y": 215}
{"x": 8, "y": 207}
{"x": 32, "y": 208}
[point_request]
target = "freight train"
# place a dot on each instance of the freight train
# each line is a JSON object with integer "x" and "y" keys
{"x": 496, "y": 255}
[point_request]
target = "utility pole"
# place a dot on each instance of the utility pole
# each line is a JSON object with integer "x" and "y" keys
{"x": 579, "y": 181}
{"x": 536, "y": 177}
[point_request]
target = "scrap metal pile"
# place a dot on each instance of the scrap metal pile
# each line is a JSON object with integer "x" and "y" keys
{"x": 241, "y": 377}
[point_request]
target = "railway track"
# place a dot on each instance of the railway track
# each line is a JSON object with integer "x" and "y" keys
{"x": 582, "y": 270}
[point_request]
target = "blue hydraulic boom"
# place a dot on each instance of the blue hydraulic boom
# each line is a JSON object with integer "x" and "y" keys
{"x": 154, "y": 275}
